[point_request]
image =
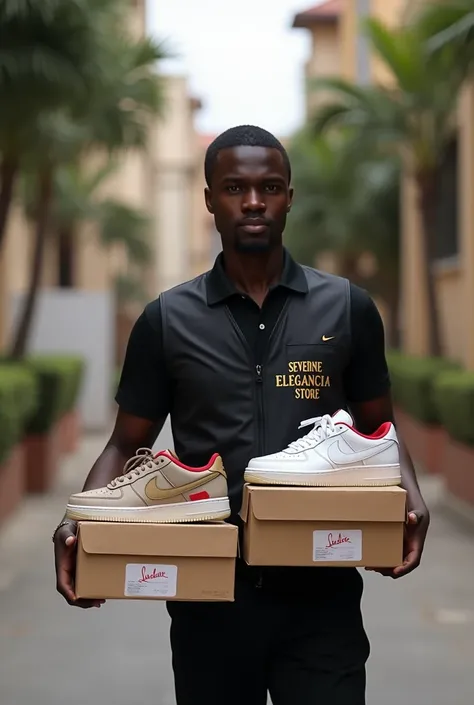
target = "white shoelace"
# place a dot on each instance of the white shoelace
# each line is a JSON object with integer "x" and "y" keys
{"x": 323, "y": 426}
{"x": 135, "y": 466}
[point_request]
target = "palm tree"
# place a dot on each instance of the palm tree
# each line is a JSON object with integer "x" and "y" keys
{"x": 75, "y": 201}
{"x": 49, "y": 59}
{"x": 347, "y": 202}
{"x": 118, "y": 116}
{"x": 412, "y": 118}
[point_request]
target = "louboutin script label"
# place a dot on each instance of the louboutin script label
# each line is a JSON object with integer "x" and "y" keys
{"x": 337, "y": 545}
{"x": 145, "y": 580}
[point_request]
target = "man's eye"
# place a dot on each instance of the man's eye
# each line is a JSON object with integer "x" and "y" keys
{"x": 233, "y": 189}
{"x": 271, "y": 188}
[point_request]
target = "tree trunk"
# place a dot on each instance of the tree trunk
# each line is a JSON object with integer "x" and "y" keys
{"x": 66, "y": 257}
{"x": 427, "y": 195}
{"x": 8, "y": 173}
{"x": 45, "y": 191}
{"x": 385, "y": 284}
{"x": 391, "y": 297}
{"x": 349, "y": 269}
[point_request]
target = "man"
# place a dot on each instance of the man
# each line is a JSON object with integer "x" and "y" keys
{"x": 207, "y": 352}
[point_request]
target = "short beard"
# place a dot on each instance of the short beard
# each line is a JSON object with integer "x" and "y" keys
{"x": 256, "y": 246}
{"x": 253, "y": 247}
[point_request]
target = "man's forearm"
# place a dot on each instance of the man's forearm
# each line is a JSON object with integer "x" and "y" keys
{"x": 409, "y": 479}
{"x": 108, "y": 465}
{"x": 130, "y": 433}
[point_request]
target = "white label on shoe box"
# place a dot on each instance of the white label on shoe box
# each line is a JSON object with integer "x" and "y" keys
{"x": 150, "y": 580}
{"x": 337, "y": 545}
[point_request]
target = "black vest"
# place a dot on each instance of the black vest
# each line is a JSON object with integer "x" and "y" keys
{"x": 222, "y": 402}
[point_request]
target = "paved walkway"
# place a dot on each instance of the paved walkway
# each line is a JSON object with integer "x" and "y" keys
{"x": 421, "y": 628}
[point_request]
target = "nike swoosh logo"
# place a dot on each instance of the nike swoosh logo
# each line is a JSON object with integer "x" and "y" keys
{"x": 339, "y": 457}
{"x": 155, "y": 493}
{"x": 325, "y": 338}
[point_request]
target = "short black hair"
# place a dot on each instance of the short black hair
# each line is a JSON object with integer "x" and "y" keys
{"x": 242, "y": 136}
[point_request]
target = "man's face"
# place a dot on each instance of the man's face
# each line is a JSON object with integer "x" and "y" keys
{"x": 249, "y": 197}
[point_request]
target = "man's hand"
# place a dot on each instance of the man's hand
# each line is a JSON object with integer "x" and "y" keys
{"x": 415, "y": 534}
{"x": 65, "y": 544}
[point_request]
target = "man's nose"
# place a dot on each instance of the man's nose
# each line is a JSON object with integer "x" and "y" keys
{"x": 253, "y": 201}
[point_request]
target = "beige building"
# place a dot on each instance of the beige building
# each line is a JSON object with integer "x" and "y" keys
{"x": 183, "y": 225}
{"x": 322, "y": 22}
{"x": 454, "y": 265}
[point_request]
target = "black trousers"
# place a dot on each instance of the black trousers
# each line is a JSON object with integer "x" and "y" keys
{"x": 303, "y": 650}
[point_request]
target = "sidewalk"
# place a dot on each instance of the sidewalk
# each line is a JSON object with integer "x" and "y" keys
{"x": 421, "y": 628}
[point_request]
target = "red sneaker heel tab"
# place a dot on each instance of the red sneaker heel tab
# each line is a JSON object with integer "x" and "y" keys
{"x": 214, "y": 460}
{"x": 382, "y": 431}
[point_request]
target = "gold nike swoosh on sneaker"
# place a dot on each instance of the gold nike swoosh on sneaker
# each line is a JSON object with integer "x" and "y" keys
{"x": 325, "y": 338}
{"x": 155, "y": 493}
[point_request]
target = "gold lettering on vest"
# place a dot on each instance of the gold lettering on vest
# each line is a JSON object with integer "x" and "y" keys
{"x": 305, "y": 377}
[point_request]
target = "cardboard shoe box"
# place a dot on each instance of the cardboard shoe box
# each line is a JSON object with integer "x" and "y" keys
{"x": 323, "y": 526}
{"x": 156, "y": 561}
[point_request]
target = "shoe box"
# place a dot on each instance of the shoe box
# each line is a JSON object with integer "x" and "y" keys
{"x": 323, "y": 526}
{"x": 156, "y": 561}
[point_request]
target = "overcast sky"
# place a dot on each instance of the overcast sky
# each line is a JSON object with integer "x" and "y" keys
{"x": 243, "y": 59}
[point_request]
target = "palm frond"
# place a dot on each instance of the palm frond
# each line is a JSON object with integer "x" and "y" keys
{"x": 400, "y": 51}
{"x": 123, "y": 225}
{"x": 131, "y": 93}
{"x": 330, "y": 114}
{"x": 50, "y": 56}
{"x": 148, "y": 50}
{"x": 75, "y": 193}
{"x": 346, "y": 198}
{"x": 351, "y": 92}
{"x": 26, "y": 9}
{"x": 441, "y": 23}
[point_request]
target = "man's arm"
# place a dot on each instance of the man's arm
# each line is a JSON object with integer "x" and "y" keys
{"x": 130, "y": 433}
{"x": 368, "y": 391}
{"x": 143, "y": 397}
{"x": 368, "y": 416}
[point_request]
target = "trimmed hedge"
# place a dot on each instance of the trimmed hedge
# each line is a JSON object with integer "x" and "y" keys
{"x": 413, "y": 381}
{"x": 34, "y": 394}
{"x": 454, "y": 400}
{"x": 59, "y": 379}
{"x": 18, "y": 401}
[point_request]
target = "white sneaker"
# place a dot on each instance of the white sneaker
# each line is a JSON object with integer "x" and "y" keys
{"x": 332, "y": 454}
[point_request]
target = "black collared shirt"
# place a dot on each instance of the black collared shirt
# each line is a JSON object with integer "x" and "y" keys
{"x": 256, "y": 323}
{"x": 146, "y": 391}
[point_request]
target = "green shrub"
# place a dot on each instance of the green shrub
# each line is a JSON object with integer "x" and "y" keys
{"x": 59, "y": 379}
{"x": 19, "y": 396}
{"x": 454, "y": 399}
{"x": 413, "y": 381}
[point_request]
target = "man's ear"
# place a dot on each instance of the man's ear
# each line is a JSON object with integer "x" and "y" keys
{"x": 207, "y": 198}
{"x": 291, "y": 193}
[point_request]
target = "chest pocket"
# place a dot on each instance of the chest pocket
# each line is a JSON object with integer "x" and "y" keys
{"x": 314, "y": 373}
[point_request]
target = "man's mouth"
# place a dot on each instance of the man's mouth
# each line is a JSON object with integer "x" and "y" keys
{"x": 254, "y": 227}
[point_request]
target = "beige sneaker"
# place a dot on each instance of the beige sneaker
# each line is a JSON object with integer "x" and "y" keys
{"x": 157, "y": 489}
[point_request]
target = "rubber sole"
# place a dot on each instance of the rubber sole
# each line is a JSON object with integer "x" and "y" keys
{"x": 216, "y": 509}
{"x": 377, "y": 476}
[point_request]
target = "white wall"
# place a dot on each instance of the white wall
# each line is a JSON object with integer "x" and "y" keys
{"x": 82, "y": 323}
